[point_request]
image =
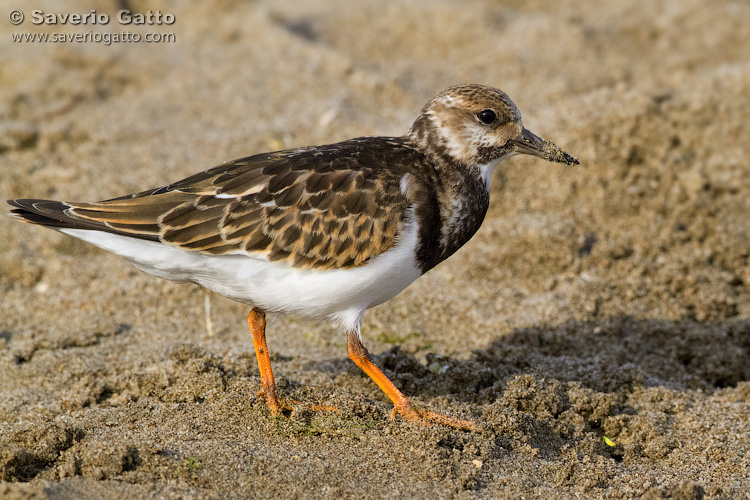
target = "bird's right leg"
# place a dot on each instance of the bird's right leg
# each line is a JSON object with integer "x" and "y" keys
{"x": 257, "y": 322}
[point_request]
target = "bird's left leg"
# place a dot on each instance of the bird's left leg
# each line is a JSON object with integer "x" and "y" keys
{"x": 358, "y": 353}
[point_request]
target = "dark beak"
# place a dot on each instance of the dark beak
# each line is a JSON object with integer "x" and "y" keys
{"x": 530, "y": 144}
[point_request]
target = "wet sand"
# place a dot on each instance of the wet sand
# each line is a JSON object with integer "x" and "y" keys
{"x": 608, "y": 300}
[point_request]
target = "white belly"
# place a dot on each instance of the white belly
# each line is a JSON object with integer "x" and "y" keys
{"x": 340, "y": 295}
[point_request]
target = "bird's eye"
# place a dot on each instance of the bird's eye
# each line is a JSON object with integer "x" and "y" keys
{"x": 487, "y": 116}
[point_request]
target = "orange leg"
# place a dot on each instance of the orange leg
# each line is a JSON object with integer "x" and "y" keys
{"x": 358, "y": 353}
{"x": 257, "y": 322}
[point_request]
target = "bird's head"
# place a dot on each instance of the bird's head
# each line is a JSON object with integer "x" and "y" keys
{"x": 478, "y": 125}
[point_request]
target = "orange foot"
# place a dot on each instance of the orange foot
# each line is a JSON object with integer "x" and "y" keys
{"x": 257, "y": 322}
{"x": 413, "y": 414}
{"x": 357, "y": 352}
{"x": 401, "y": 404}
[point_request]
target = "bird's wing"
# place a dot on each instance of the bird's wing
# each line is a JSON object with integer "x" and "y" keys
{"x": 326, "y": 207}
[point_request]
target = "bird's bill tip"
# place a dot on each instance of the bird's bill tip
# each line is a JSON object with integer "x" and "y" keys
{"x": 551, "y": 152}
{"x": 531, "y": 144}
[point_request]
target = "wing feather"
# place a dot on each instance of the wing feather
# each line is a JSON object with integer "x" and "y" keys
{"x": 327, "y": 207}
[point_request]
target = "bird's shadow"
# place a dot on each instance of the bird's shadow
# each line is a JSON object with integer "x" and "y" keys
{"x": 614, "y": 354}
{"x": 546, "y": 387}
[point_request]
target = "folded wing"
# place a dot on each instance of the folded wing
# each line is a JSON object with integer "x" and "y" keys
{"x": 326, "y": 207}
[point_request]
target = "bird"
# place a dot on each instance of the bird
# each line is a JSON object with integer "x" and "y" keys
{"x": 319, "y": 232}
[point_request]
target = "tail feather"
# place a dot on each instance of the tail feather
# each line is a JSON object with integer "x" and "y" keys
{"x": 59, "y": 215}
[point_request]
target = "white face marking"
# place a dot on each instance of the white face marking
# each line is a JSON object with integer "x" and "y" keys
{"x": 449, "y": 124}
{"x": 462, "y": 139}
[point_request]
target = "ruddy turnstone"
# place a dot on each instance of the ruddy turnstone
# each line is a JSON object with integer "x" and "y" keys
{"x": 323, "y": 231}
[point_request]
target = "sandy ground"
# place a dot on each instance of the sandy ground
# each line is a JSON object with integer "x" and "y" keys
{"x": 611, "y": 299}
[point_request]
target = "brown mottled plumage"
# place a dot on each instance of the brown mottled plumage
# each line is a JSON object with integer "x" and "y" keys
{"x": 330, "y": 207}
{"x": 319, "y": 231}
